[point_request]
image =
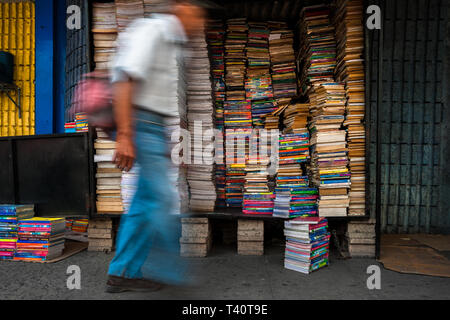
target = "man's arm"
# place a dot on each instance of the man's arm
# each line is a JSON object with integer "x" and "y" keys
{"x": 123, "y": 113}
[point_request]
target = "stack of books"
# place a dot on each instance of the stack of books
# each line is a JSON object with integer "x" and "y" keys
{"x": 104, "y": 30}
{"x": 234, "y": 185}
{"x": 317, "y": 53}
{"x": 307, "y": 244}
{"x": 70, "y": 127}
{"x": 294, "y": 197}
{"x": 272, "y": 120}
{"x": 257, "y": 197}
{"x": 40, "y": 239}
{"x": 215, "y": 35}
{"x": 200, "y": 117}
{"x": 350, "y": 71}
{"x": 238, "y": 114}
{"x": 295, "y": 118}
{"x": 10, "y": 215}
{"x": 284, "y": 78}
{"x": 80, "y": 225}
{"x": 235, "y": 57}
{"x": 76, "y": 229}
{"x": 109, "y": 177}
{"x": 156, "y": 6}
{"x": 127, "y": 11}
{"x": 81, "y": 122}
{"x": 261, "y": 109}
{"x": 258, "y": 85}
{"x": 329, "y": 149}
{"x": 293, "y": 149}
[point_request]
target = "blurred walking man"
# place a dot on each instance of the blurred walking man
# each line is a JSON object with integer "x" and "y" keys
{"x": 145, "y": 74}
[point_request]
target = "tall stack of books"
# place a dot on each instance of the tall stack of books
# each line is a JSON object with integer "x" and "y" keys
{"x": 329, "y": 149}
{"x": 104, "y": 29}
{"x": 284, "y": 78}
{"x": 307, "y": 244}
{"x": 156, "y": 6}
{"x": 10, "y": 215}
{"x": 235, "y": 58}
{"x": 350, "y": 71}
{"x": 215, "y": 35}
{"x": 40, "y": 239}
{"x": 200, "y": 117}
{"x": 127, "y": 11}
{"x": 109, "y": 177}
{"x": 258, "y": 84}
{"x": 317, "y": 53}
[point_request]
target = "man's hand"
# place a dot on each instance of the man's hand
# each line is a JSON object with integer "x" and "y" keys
{"x": 125, "y": 152}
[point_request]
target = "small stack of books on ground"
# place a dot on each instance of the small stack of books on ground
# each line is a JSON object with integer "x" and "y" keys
{"x": 101, "y": 235}
{"x": 350, "y": 70}
{"x": 81, "y": 122}
{"x": 200, "y": 176}
{"x": 317, "y": 51}
{"x": 127, "y": 11}
{"x": 109, "y": 177}
{"x": 104, "y": 30}
{"x": 284, "y": 78}
{"x": 10, "y": 215}
{"x": 307, "y": 244}
{"x": 329, "y": 149}
{"x": 76, "y": 229}
{"x": 70, "y": 127}
{"x": 40, "y": 239}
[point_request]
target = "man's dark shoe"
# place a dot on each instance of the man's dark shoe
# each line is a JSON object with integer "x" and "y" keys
{"x": 120, "y": 284}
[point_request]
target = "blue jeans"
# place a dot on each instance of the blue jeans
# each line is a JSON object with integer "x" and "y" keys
{"x": 147, "y": 244}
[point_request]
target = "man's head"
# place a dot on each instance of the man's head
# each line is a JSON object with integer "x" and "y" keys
{"x": 191, "y": 14}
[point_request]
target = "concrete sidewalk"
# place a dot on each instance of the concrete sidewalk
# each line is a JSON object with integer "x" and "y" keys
{"x": 223, "y": 275}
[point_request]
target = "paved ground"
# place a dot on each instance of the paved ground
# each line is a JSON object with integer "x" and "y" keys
{"x": 223, "y": 275}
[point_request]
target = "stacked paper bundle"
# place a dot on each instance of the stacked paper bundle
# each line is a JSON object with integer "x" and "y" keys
{"x": 127, "y": 11}
{"x": 109, "y": 177}
{"x": 200, "y": 108}
{"x": 329, "y": 149}
{"x": 296, "y": 118}
{"x": 350, "y": 71}
{"x": 40, "y": 239}
{"x": 10, "y": 215}
{"x": 235, "y": 58}
{"x": 70, "y": 127}
{"x": 281, "y": 44}
{"x": 104, "y": 29}
{"x": 317, "y": 52}
{"x": 81, "y": 122}
{"x": 128, "y": 186}
{"x": 307, "y": 244}
{"x": 156, "y": 6}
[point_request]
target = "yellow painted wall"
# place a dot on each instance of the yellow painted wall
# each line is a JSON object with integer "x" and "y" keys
{"x": 17, "y": 36}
